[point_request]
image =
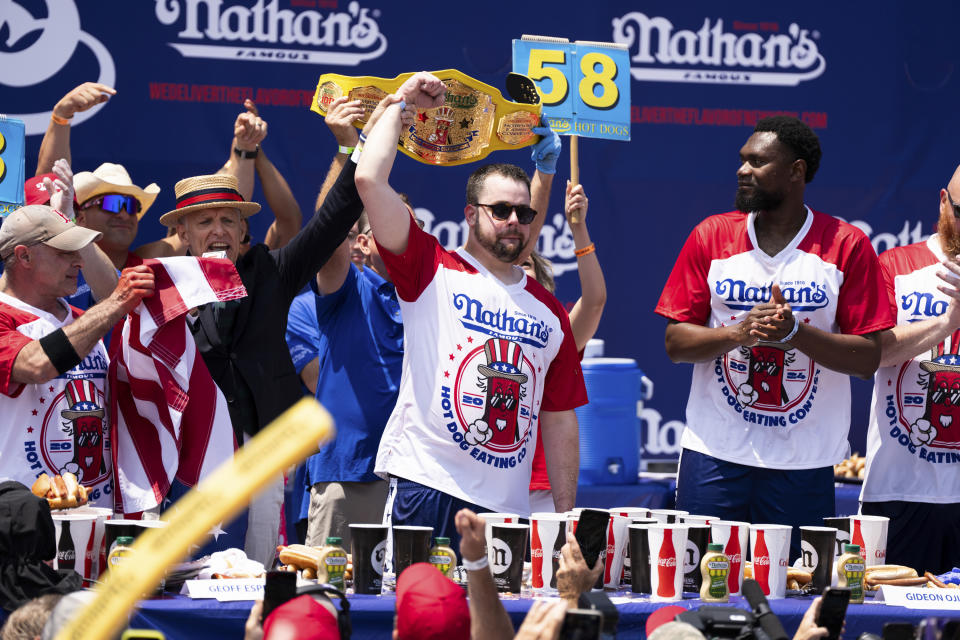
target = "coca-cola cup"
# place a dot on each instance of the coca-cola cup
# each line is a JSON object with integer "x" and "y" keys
{"x": 491, "y": 518}
{"x": 816, "y": 554}
{"x": 770, "y": 551}
{"x": 734, "y": 536}
{"x": 667, "y": 516}
{"x": 692, "y": 519}
{"x": 573, "y": 517}
{"x": 548, "y": 534}
{"x": 698, "y": 535}
{"x": 643, "y": 564}
{"x": 77, "y": 545}
{"x": 631, "y": 512}
{"x": 639, "y": 556}
{"x": 616, "y": 550}
{"x": 99, "y": 551}
{"x": 368, "y": 548}
{"x": 505, "y": 550}
{"x": 870, "y": 532}
{"x": 842, "y": 525}
{"x": 668, "y": 542}
{"x": 411, "y": 544}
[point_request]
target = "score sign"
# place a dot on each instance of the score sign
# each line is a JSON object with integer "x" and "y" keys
{"x": 12, "y": 160}
{"x": 584, "y": 86}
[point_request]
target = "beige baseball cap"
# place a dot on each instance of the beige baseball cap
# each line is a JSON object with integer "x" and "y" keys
{"x": 38, "y": 223}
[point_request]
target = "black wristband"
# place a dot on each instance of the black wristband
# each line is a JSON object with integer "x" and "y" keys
{"x": 60, "y": 351}
{"x": 241, "y": 153}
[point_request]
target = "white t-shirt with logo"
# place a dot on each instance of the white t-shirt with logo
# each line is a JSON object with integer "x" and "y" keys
{"x": 60, "y": 425}
{"x": 771, "y": 405}
{"x": 913, "y": 442}
{"x": 482, "y": 359}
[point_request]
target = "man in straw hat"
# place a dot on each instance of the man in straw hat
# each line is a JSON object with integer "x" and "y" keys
{"x": 242, "y": 342}
{"x": 47, "y": 346}
{"x": 475, "y": 327}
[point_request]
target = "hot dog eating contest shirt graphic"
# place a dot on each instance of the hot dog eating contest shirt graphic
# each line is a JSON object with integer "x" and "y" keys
{"x": 769, "y": 404}
{"x": 483, "y": 359}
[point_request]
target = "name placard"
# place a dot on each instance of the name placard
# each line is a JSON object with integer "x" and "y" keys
{"x": 919, "y": 597}
{"x": 233, "y": 589}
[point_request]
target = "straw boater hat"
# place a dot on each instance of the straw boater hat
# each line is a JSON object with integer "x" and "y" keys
{"x": 206, "y": 192}
{"x": 113, "y": 178}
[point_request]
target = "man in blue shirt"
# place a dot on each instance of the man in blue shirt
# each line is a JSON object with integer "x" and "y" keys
{"x": 346, "y": 337}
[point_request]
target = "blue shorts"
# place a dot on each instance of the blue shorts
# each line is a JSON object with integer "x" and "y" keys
{"x": 713, "y": 487}
{"x": 419, "y": 505}
{"x": 921, "y": 535}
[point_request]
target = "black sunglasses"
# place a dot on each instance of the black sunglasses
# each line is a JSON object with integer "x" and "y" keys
{"x": 956, "y": 207}
{"x": 502, "y": 210}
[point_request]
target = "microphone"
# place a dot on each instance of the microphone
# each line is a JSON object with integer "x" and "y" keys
{"x": 766, "y": 618}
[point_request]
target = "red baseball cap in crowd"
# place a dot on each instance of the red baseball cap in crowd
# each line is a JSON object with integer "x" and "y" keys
{"x": 430, "y": 606}
{"x": 662, "y": 616}
{"x": 35, "y": 192}
{"x": 303, "y": 618}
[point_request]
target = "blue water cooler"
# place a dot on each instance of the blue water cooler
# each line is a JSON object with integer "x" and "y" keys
{"x": 609, "y": 450}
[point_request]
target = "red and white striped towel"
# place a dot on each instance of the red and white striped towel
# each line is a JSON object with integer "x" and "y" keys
{"x": 170, "y": 419}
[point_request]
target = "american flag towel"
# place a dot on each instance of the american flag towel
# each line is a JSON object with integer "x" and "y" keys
{"x": 170, "y": 419}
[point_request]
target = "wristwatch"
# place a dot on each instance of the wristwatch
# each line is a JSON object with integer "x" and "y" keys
{"x": 241, "y": 153}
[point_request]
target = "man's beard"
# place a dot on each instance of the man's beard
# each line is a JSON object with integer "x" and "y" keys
{"x": 758, "y": 200}
{"x": 947, "y": 230}
{"x": 494, "y": 245}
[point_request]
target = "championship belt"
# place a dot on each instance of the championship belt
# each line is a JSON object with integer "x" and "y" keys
{"x": 474, "y": 120}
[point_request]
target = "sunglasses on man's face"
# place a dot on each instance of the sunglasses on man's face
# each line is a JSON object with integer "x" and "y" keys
{"x": 502, "y": 210}
{"x": 114, "y": 203}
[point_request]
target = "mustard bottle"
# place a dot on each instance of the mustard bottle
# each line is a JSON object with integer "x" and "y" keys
{"x": 332, "y": 565}
{"x": 443, "y": 557}
{"x": 714, "y": 569}
{"x": 850, "y": 570}
{"x": 119, "y": 550}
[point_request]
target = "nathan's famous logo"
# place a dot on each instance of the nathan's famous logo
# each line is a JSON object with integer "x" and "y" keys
{"x": 769, "y": 384}
{"x": 73, "y": 432}
{"x": 500, "y": 323}
{"x": 711, "y": 54}
{"x": 737, "y": 294}
{"x": 929, "y": 400}
{"x": 920, "y": 305}
{"x": 486, "y": 409}
{"x": 37, "y": 48}
{"x": 343, "y": 38}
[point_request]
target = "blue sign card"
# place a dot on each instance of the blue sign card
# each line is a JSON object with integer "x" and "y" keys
{"x": 584, "y": 86}
{"x": 12, "y": 164}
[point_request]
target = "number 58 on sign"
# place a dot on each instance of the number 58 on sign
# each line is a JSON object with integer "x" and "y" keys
{"x": 584, "y": 86}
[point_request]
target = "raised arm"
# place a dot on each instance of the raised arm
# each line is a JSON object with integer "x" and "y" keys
{"x": 33, "y": 365}
{"x": 545, "y": 155}
{"x": 389, "y": 217}
{"x": 905, "y": 341}
{"x": 488, "y": 618}
{"x": 586, "y": 313}
{"x": 56, "y": 141}
{"x": 249, "y": 130}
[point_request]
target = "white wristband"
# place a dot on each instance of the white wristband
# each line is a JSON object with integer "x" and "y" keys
{"x": 356, "y": 153}
{"x": 476, "y": 565}
{"x": 793, "y": 332}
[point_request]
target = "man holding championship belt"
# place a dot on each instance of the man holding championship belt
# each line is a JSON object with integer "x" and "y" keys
{"x": 489, "y": 356}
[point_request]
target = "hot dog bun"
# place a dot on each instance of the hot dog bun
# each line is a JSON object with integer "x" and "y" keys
{"x": 300, "y": 556}
{"x": 889, "y": 572}
{"x": 61, "y": 492}
{"x": 41, "y": 486}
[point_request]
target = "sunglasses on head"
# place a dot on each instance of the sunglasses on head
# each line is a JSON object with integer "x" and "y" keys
{"x": 114, "y": 203}
{"x": 956, "y": 207}
{"x": 502, "y": 210}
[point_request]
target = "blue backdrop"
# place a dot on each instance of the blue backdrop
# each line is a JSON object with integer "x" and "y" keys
{"x": 876, "y": 82}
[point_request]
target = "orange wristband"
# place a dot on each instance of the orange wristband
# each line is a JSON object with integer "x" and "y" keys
{"x": 590, "y": 248}
{"x": 58, "y": 120}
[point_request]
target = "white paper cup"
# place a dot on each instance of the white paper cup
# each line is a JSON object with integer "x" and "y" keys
{"x": 734, "y": 536}
{"x": 99, "y": 541}
{"x": 667, "y": 516}
{"x": 631, "y": 512}
{"x": 548, "y": 534}
{"x": 770, "y": 551}
{"x": 870, "y": 532}
{"x": 77, "y": 545}
{"x": 493, "y": 518}
{"x": 616, "y": 550}
{"x": 668, "y": 543}
{"x": 693, "y": 519}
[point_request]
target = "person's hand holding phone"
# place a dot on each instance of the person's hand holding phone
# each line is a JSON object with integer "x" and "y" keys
{"x": 809, "y": 629}
{"x": 574, "y": 576}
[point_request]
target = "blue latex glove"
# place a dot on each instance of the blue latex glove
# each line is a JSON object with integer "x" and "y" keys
{"x": 951, "y": 577}
{"x": 547, "y": 151}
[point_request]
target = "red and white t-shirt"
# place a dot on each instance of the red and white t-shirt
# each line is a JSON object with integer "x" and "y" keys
{"x": 482, "y": 359}
{"x": 771, "y": 405}
{"x": 60, "y": 425}
{"x": 913, "y": 442}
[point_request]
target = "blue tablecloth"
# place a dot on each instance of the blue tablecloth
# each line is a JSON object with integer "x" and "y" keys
{"x": 372, "y": 616}
{"x": 660, "y": 494}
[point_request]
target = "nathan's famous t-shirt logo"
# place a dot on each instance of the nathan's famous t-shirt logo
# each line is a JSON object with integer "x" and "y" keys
{"x": 802, "y": 296}
{"x": 500, "y": 323}
{"x": 920, "y": 305}
{"x": 752, "y": 53}
{"x": 344, "y": 38}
